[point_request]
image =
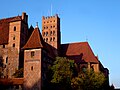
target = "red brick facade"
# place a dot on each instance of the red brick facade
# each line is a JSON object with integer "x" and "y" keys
{"x": 40, "y": 50}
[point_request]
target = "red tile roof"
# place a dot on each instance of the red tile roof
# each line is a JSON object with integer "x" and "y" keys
{"x": 35, "y": 40}
{"x": 4, "y": 28}
{"x": 80, "y": 52}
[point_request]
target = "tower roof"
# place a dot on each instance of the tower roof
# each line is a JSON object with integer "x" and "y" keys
{"x": 80, "y": 52}
{"x": 35, "y": 40}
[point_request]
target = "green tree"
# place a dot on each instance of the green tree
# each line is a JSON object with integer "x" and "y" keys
{"x": 89, "y": 80}
{"x": 63, "y": 70}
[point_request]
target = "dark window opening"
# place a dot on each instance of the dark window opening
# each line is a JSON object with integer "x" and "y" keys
{"x": 3, "y": 46}
{"x": 50, "y": 32}
{"x": 50, "y": 39}
{"x": 14, "y": 38}
{"x": 54, "y": 39}
{"x": 32, "y": 68}
{"x": 14, "y": 28}
{"x": 6, "y": 59}
{"x": 32, "y": 54}
{"x": 14, "y": 45}
{"x": 46, "y": 39}
{"x": 46, "y": 33}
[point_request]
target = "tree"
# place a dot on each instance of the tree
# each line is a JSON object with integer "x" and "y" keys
{"x": 63, "y": 70}
{"x": 89, "y": 80}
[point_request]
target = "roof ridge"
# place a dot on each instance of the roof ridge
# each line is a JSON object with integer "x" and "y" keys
{"x": 74, "y": 43}
{"x": 9, "y": 18}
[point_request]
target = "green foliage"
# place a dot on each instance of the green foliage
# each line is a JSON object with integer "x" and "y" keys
{"x": 18, "y": 73}
{"x": 89, "y": 80}
{"x": 62, "y": 70}
{"x": 64, "y": 75}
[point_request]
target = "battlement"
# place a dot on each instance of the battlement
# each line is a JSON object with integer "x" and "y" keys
{"x": 49, "y": 17}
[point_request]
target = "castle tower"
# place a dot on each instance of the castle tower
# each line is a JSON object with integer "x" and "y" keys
{"x": 18, "y": 29}
{"x": 51, "y": 31}
{"x": 33, "y": 51}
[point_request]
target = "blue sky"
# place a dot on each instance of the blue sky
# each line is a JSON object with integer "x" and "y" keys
{"x": 97, "y": 21}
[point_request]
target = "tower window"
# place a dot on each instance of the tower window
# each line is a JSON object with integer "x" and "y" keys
{"x": 13, "y": 44}
{"x": 14, "y": 28}
{"x": 50, "y": 39}
{"x": 46, "y": 39}
{"x": 14, "y": 38}
{"x": 54, "y": 26}
{"x": 54, "y": 39}
{"x": 44, "y": 27}
{"x": 31, "y": 68}
{"x": 32, "y": 54}
{"x": 50, "y": 32}
{"x": 46, "y": 33}
{"x": 51, "y": 26}
{"x": 53, "y": 32}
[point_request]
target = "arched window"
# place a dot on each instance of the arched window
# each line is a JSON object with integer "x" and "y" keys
{"x": 46, "y": 33}
{"x": 50, "y": 39}
{"x": 50, "y": 32}
{"x": 54, "y": 39}
{"x": 46, "y": 39}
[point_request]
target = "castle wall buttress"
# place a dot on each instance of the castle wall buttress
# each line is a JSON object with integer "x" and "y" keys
{"x": 32, "y": 69}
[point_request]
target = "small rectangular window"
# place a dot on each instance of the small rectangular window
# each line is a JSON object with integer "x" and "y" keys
{"x": 14, "y": 28}
{"x": 3, "y": 46}
{"x": 32, "y": 54}
{"x": 14, "y": 45}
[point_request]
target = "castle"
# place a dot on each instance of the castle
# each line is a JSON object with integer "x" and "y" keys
{"x": 24, "y": 47}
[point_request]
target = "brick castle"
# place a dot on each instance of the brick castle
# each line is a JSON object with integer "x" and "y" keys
{"x": 28, "y": 48}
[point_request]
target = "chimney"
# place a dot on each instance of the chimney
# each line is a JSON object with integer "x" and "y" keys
{"x": 24, "y": 17}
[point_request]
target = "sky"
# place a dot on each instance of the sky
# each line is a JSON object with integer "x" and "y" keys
{"x": 95, "y": 21}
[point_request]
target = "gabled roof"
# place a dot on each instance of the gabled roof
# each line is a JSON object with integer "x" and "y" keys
{"x": 4, "y": 28}
{"x": 80, "y": 52}
{"x": 35, "y": 40}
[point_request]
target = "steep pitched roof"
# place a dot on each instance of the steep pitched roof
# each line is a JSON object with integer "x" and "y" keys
{"x": 4, "y": 28}
{"x": 80, "y": 52}
{"x": 35, "y": 40}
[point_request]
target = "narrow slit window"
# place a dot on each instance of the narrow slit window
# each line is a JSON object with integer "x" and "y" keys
{"x": 31, "y": 68}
